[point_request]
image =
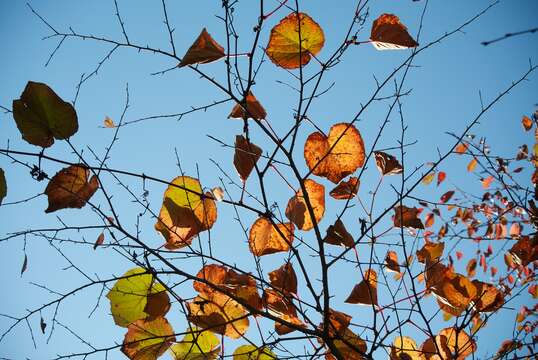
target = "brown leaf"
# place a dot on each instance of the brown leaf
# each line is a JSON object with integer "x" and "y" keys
{"x": 265, "y": 238}
{"x": 204, "y": 50}
{"x": 365, "y": 292}
{"x": 404, "y": 348}
{"x": 99, "y": 241}
{"x": 387, "y": 164}
{"x": 282, "y": 307}
{"x": 249, "y": 108}
{"x": 70, "y": 188}
{"x": 430, "y": 252}
{"x": 407, "y": 217}
{"x": 446, "y": 196}
{"x": 108, "y": 122}
{"x": 524, "y": 251}
{"x": 471, "y": 268}
{"x": 338, "y": 235}
{"x": 246, "y": 156}
{"x": 24, "y": 264}
{"x": 346, "y": 189}
{"x": 284, "y": 279}
{"x": 355, "y": 352}
{"x": 391, "y": 261}
{"x": 488, "y": 298}
{"x": 42, "y": 325}
{"x": 388, "y": 33}
{"x": 297, "y": 211}
{"x": 148, "y": 339}
{"x": 337, "y": 155}
{"x": 526, "y": 122}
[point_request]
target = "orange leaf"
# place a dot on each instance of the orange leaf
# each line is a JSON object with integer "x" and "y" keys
{"x": 526, "y": 122}
{"x": 365, "y": 292}
{"x": 281, "y": 306}
{"x": 472, "y": 165}
{"x": 297, "y": 211}
{"x": 430, "y": 252}
{"x": 346, "y": 189}
{"x": 108, "y": 122}
{"x": 335, "y": 156}
{"x": 391, "y": 261}
{"x": 461, "y": 148}
{"x": 204, "y": 50}
{"x": 388, "y": 33}
{"x": 387, "y": 164}
{"x": 407, "y": 217}
{"x": 99, "y": 241}
{"x": 441, "y": 176}
{"x": 249, "y": 108}
{"x": 294, "y": 41}
{"x": 471, "y": 268}
{"x": 70, "y": 188}
{"x": 265, "y": 238}
{"x": 284, "y": 279}
{"x": 487, "y": 182}
{"x": 148, "y": 339}
{"x": 488, "y": 298}
{"x": 430, "y": 220}
{"x": 245, "y": 157}
{"x": 451, "y": 341}
{"x": 337, "y": 234}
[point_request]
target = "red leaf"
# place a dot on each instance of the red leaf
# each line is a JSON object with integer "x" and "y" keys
{"x": 447, "y": 196}
{"x": 441, "y": 176}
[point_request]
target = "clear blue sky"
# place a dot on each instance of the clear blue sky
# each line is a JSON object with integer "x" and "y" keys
{"x": 445, "y": 85}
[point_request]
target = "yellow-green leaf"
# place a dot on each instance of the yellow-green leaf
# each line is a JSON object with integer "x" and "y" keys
{"x": 196, "y": 345}
{"x": 251, "y": 352}
{"x": 137, "y": 295}
{"x": 42, "y": 116}
{"x": 148, "y": 339}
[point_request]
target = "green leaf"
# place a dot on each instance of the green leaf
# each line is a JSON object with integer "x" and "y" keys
{"x": 3, "y": 186}
{"x": 42, "y": 116}
{"x": 251, "y": 352}
{"x": 137, "y": 295}
{"x": 196, "y": 345}
{"x": 184, "y": 197}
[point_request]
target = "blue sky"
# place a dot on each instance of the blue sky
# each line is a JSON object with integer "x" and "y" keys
{"x": 446, "y": 84}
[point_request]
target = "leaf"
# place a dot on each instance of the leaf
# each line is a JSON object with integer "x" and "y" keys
{"x": 249, "y": 108}
{"x": 461, "y": 148}
{"x": 428, "y": 178}
{"x": 391, "y": 261}
{"x": 430, "y": 220}
{"x": 3, "y": 186}
{"x": 487, "y": 182}
{"x": 387, "y": 164}
{"x": 218, "y": 193}
{"x": 348, "y": 352}
{"x": 524, "y": 251}
{"x": 70, "y": 188}
{"x": 526, "y": 122}
{"x": 42, "y": 325}
{"x": 294, "y": 40}
{"x": 24, "y": 264}
{"x": 365, "y": 292}
{"x": 251, "y": 352}
{"x": 109, "y": 123}
{"x": 282, "y": 307}
{"x": 297, "y": 211}
{"x": 132, "y": 297}
{"x": 204, "y": 50}
{"x": 407, "y": 217}
{"x": 218, "y": 313}
{"x": 284, "y": 279}
{"x": 196, "y": 345}
{"x": 488, "y": 298}
{"x": 430, "y": 252}
{"x": 99, "y": 241}
{"x": 147, "y": 339}
{"x": 337, "y": 234}
{"x": 42, "y": 116}
{"x": 471, "y": 268}
{"x": 246, "y": 156}
{"x": 265, "y": 238}
{"x": 446, "y": 196}
{"x": 388, "y": 33}
{"x": 184, "y": 213}
{"x": 441, "y": 176}
{"x": 451, "y": 341}
{"x": 404, "y": 348}
{"x": 337, "y": 155}
{"x": 346, "y": 189}
{"x": 472, "y": 165}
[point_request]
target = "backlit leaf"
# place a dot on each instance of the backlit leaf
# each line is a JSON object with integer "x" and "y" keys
{"x": 42, "y": 116}
{"x": 70, "y": 188}
{"x": 472, "y": 165}
{"x": 446, "y": 196}
{"x": 487, "y": 182}
{"x": 391, "y": 261}
{"x": 526, "y": 122}
{"x": 365, "y": 292}
{"x": 147, "y": 339}
{"x": 430, "y": 252}
{"x": 265, "y": 238}
{"x": 297, "y": 211}
{"x": 441, "y": 176}
{"x": 407, "y": 217}
{"x": 430, "y": 220}
{"x": 294, "y": 41}
{"x": 183, "y": 213}
{"x": 428, "y": 178}
{"x": 346, "y": 189}
{"x": 251, "y": 352}
{"x": 196, "y": 345}
{"x": 137, "y": 295}
{"x": 284, "y": 279}
{"x": 404, "y": 348}
{"x": 3, "y": 186}
{"x": 451, "y": 341}
{"x": 337, "y": 234}
{"x": 461, "y": 148}
{"x": 388, "y": 33}
{"x": 109, "y": 123}
{"x": 387, "y": 164}
{"x": 337, "y": 155}
{"x": 488, "y": 298}
{"x": 204, "y": 50}
{"x": 356, "y": 352}
{"x": 282, "y": 307}
{"x": 251, "y": 108}
{"x": 471, "y": 268}
{"x": 246, "y": 156}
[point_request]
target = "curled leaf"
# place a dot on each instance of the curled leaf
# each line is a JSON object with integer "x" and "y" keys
{"x": 266, "y": 238}
{"x": 246, "y": 156}
{"x": 3, "y": 186}
{"x": 147, "y": 339}
{"x": 297, "y": 211}
{"x": 346, "y": 189}
{"x": 250, "y": 108}
{"x": 294, "y": 41}
{"x": 337, "y": 155}
{"x": 70, "y": 188}
{"x": 204, "y": 50}
{"x": 526, "y": 122}
{"x": 387, "y": 164}
{"x": 388, "y": 33}
{"x": 109, "y": 123}
{"x": 391, "y": 261}
{"x": 282, "y": 307}
{"x": 337, "y": 234}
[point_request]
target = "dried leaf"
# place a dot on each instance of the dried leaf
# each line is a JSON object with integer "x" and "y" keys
{"x": 365, "y": 292}
{"x": 265, "y": 238}
{"x": 249, "y": 108}
{"x": 148, "y": 339}
{"x": 218, "y": 193}
{"x": 99, "y": 241}
{"x": 294, "y": 41}
{"x": 246, "y": 156}
{"x": 526, "y": 122}
{"x": 407, "y": 217}
{"x": 42, "y": 325}
{"x": 24, "y": 264}
{"x": 452, "y": 341}
{"x": 388, "y": 33}
{"x": 430, "y": 220}
{"x": 284, "y": 279}
{"x": 42, "y": 116}
{"x": 355, "y": 352}
{"x": 461, "y": 148}
{"x": 446, "y": 196}
{"x": 391, "y": 261}
{"x": 109, "y": 123}
{"x": 346, "y": 189}
{"x": 471, "y": 268}
{"x": 337, "y": 155}
{"x": 297, "y": 211}
{"x": 338, "y": 235}
{"x": 3, "y": 186}
{"x": 282, "y": 307}
{"x": 404, "y": 348}
{"x": 430, "y": 252}
{"x": 387, "y": 164}
{"x": 204, "y": 50}
{"x": 488, "y": 298}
